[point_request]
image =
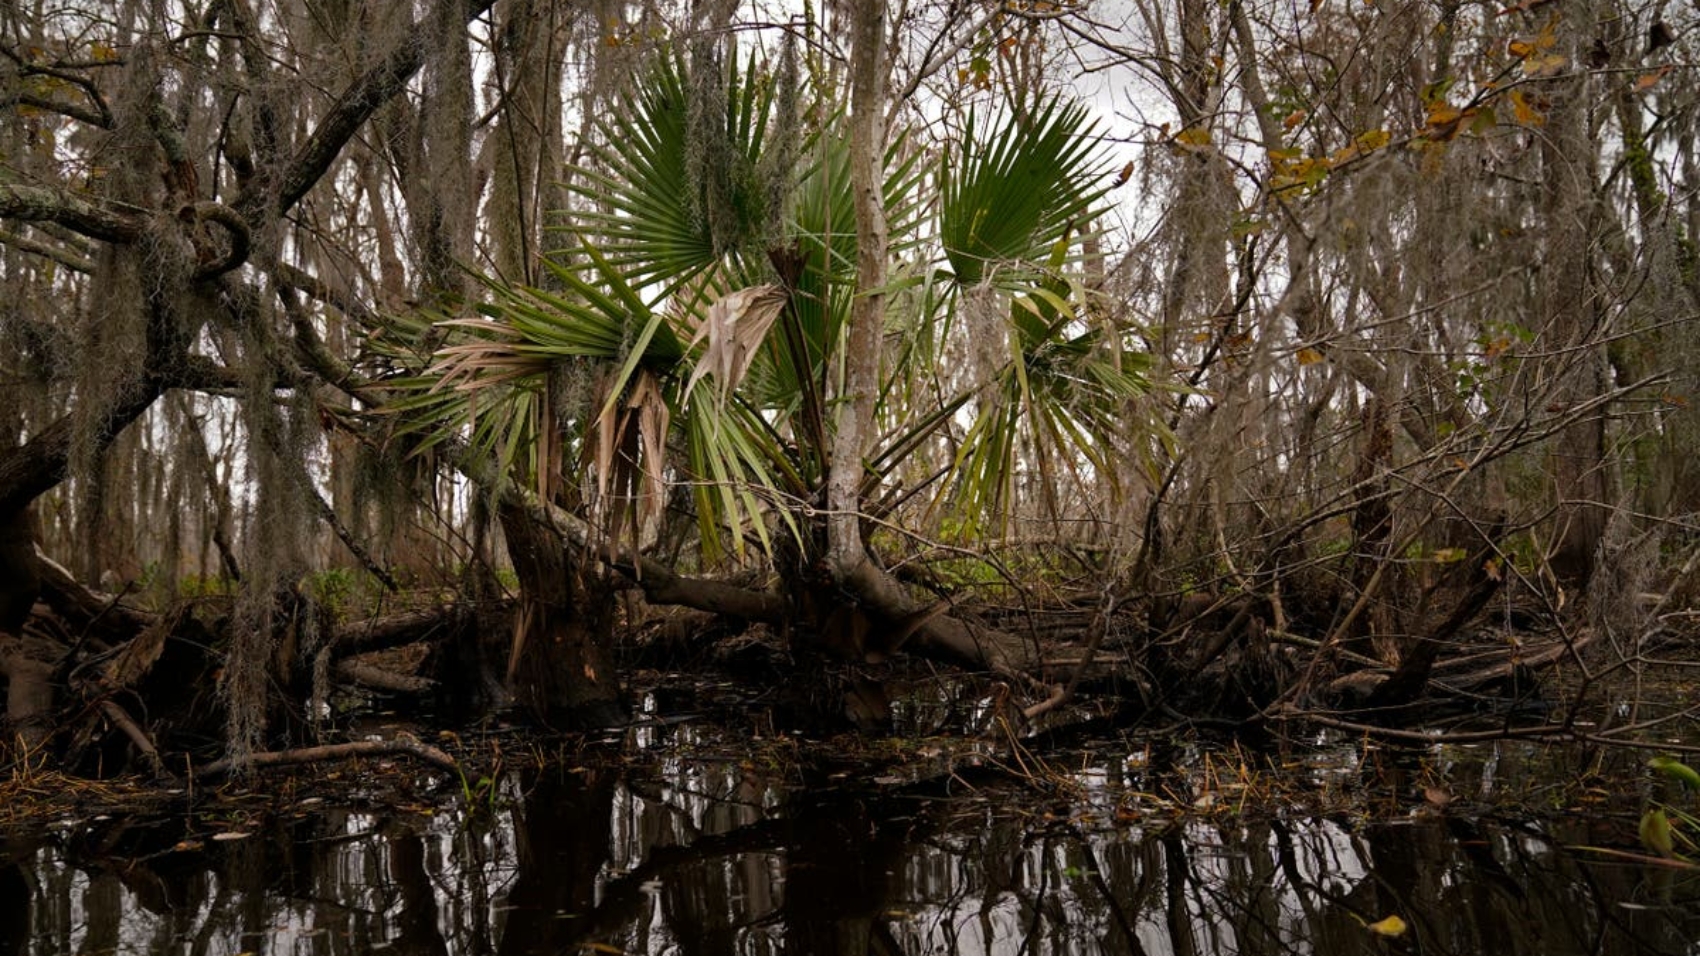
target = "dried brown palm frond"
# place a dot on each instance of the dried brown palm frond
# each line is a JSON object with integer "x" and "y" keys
{"x": 734, "y": 328}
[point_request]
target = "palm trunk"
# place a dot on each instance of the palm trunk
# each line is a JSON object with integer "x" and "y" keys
{"x": 867, "y": 317}
{"x": 561, "y": 667}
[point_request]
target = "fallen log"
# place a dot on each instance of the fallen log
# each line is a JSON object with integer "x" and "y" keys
{"x": 404, "y": 746}
{"x": 378, "y": 678}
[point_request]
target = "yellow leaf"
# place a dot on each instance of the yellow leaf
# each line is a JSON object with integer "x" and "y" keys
{"x": 1373, "y": 140}
{"x": 1448, "y": 555}
{"x": 1309, "y": 356}
{"x": 101, "y": 53}
{"x": 1445, "y": 122}
{"x": 1525, "y": 112}
{"x": 1390, "y": 926}
{"x": 1440, "y": 114}
{"x": 1545, "y": 65}
{"x": 1520, "y": 48}
{"x": 1196, "y": 136}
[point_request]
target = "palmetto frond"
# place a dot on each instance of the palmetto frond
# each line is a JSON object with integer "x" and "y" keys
{"x": 1018, "y": 190}
{"x": 645, "y": 186}
{"x": 702, "y": 314}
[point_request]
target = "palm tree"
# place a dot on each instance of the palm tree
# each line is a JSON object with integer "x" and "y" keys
{"x": 692, "y": 331}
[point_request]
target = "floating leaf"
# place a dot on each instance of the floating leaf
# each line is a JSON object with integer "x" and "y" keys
{"x": 1676, "y": 770}
{"x": 1390, "y": 926}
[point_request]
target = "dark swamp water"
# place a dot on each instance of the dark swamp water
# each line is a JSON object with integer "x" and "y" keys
{"x": 710, "y": 841}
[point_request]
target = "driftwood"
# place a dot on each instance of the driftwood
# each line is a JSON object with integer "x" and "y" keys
{"x": 378, "y": 678}
{"x": 395, "y": 630}
{"x": 404, "y": 746}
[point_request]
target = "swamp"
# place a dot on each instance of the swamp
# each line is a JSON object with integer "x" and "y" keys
{"x": 849, "y": 477}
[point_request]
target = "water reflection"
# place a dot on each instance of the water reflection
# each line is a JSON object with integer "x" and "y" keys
{"x": 699, "y": 852}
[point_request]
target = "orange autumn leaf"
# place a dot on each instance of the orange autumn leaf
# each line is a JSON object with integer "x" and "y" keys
{"x": 1526, "y": 113}
{"x": 1647, "y": 81}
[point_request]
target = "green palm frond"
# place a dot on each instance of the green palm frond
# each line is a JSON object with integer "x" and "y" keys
{"x": 655, "y": 301}
{"x": 1019, "y": 190}
{"x": 1061, "y": 402}
{"x": 738, "y": 472}
{"x": 645, "y": 186}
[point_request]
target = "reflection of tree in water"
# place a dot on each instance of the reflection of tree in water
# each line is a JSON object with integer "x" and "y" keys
{"x": 561, "y": 837}
{"x": 716, "y": 857}
{"x": 838, "y": 877}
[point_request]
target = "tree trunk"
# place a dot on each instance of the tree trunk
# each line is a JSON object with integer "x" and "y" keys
{"x": 1577, "y": 464}
{"x": 561, "y": 666}
{"x": 854, "y": 424}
